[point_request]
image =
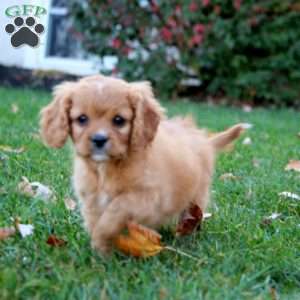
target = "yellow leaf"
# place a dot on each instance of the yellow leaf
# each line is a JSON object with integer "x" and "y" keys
{"x": 144, "y": 242}
{"x": 140, "y": 241}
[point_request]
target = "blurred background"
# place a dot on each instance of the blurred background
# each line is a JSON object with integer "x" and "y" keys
{"x": 221, "y": 51}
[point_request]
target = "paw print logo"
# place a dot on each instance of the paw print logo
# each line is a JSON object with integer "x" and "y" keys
{"x": 24, "y": 33}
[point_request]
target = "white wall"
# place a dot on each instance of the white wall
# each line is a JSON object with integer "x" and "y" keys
{"x": 9, "y": 55}
{"x": 34, "y": 58}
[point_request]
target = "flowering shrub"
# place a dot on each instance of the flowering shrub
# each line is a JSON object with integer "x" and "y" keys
{"x": 245, "y": 50}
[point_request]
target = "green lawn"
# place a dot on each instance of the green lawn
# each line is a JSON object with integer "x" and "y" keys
{"x": 239, "y": 257}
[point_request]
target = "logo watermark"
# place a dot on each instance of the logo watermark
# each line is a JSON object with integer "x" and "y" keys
{"x": 25, "y": 28}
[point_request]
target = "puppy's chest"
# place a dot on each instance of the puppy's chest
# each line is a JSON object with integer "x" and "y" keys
{"x": 103, "y": 199}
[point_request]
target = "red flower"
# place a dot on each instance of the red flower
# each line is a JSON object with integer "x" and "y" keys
{"x": 126, "y": 50}
{"x": 154, "y": 7}
{"x": 217, "y": 9}
{"x": 199, "y": 28}
{"x": 237, "y": 4}
{"x": 195, "y": 40}
{"x": 116, "y": 43}
{"x": 178, "y": 9}
{"x": 205, "y": 2}
{"x": 115, "y": 71}
{"x": 253, "y": 22}
{"x": 171, "y": 22}
{"x": 166, "y": 34}
{"x": 193, "y": 7}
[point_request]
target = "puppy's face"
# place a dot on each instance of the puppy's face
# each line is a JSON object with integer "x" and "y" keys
{"x": 101, "y": 119}
{"x": 106, "y": 118}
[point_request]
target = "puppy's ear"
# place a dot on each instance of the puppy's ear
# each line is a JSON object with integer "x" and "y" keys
{"x": 54, "y": 123}
{"x": 147, "y": 114}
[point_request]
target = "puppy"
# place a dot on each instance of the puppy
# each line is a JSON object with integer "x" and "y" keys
{"x": 131, "y": 162}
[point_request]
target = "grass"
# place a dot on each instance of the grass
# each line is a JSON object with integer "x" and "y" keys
{"x": 240, "y": 258}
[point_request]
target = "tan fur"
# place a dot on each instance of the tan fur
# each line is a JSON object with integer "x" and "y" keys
{"x": 156, "y": 167}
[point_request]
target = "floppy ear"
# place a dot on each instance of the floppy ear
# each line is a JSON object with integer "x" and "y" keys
{"x": 54, "y": 123}
{"x": 147, "y": 115}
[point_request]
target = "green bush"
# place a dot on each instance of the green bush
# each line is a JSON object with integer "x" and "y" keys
{"x": 243, "y": 50}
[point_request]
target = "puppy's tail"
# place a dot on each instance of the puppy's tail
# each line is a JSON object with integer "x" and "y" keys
{"x": 222, "y": 139}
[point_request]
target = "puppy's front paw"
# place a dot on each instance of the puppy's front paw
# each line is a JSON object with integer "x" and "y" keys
{"x": 101, "y": 246}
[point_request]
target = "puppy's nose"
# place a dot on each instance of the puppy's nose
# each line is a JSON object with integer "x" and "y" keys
{"x": 99, "y": 140}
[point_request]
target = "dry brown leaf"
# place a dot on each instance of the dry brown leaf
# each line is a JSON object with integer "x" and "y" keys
{"x": 189, "y": 220}
{"x": 228, "y": 176}
{"x": 7, "y": 232}
{"x": 35, "y": 189}
{"x": 14, "y": 108}
{"x": 70, "y": 203}
{"x": 54, "y": 241}
{"x": 140, "y": 241}
{"x": 9, "y": 149}
{"x": 293, "y": 165}
{"x": 269, "y": 219}
{"x": 144, "y": 242}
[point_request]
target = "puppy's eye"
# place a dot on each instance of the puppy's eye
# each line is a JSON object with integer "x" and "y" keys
{"x": 82, "y": 120}
{"x": 118, "y": 121}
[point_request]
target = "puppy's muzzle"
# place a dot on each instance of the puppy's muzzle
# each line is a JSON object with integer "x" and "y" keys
{"x": 99, "y": 140}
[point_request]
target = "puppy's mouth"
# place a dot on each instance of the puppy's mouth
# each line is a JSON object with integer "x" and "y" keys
{"x": 100, "y": 155}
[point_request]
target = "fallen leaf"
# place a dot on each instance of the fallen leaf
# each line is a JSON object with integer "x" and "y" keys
{"x": 14, "y": 108}
{"x": 55, "y": 241}
{"x": 140, "y": 242}
{"x": 70, "y": 203}
{"x": 269, "y": 219}
{"x": 7, "y": 232}
{"x": 11, "y": 150}
{"x": 247, "y": 141}
{"x": 144, "y": 242}
{"x": 35, "y": 136}
{"x": 25, "y": 229}
{"x": 273, "y": 293}
{"x": 255, "y": 162}
{"x": 247, "y": 126}
{"x": 227, "y": 176}
{"x": 247, "y": 108}
{"x": 35, "y": 189}
{"x": 207, "y": 216}
{"x": 273, "y": 216}
{"x": 25, "y": 187}
{"x": 289, "y": 195}
{"x": 189, "y": 220}
{"x": 293, "y": 165}
{"x": 3, "y": 191}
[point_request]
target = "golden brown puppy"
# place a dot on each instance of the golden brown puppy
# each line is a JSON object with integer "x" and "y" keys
{"x": 131, "y": 163}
